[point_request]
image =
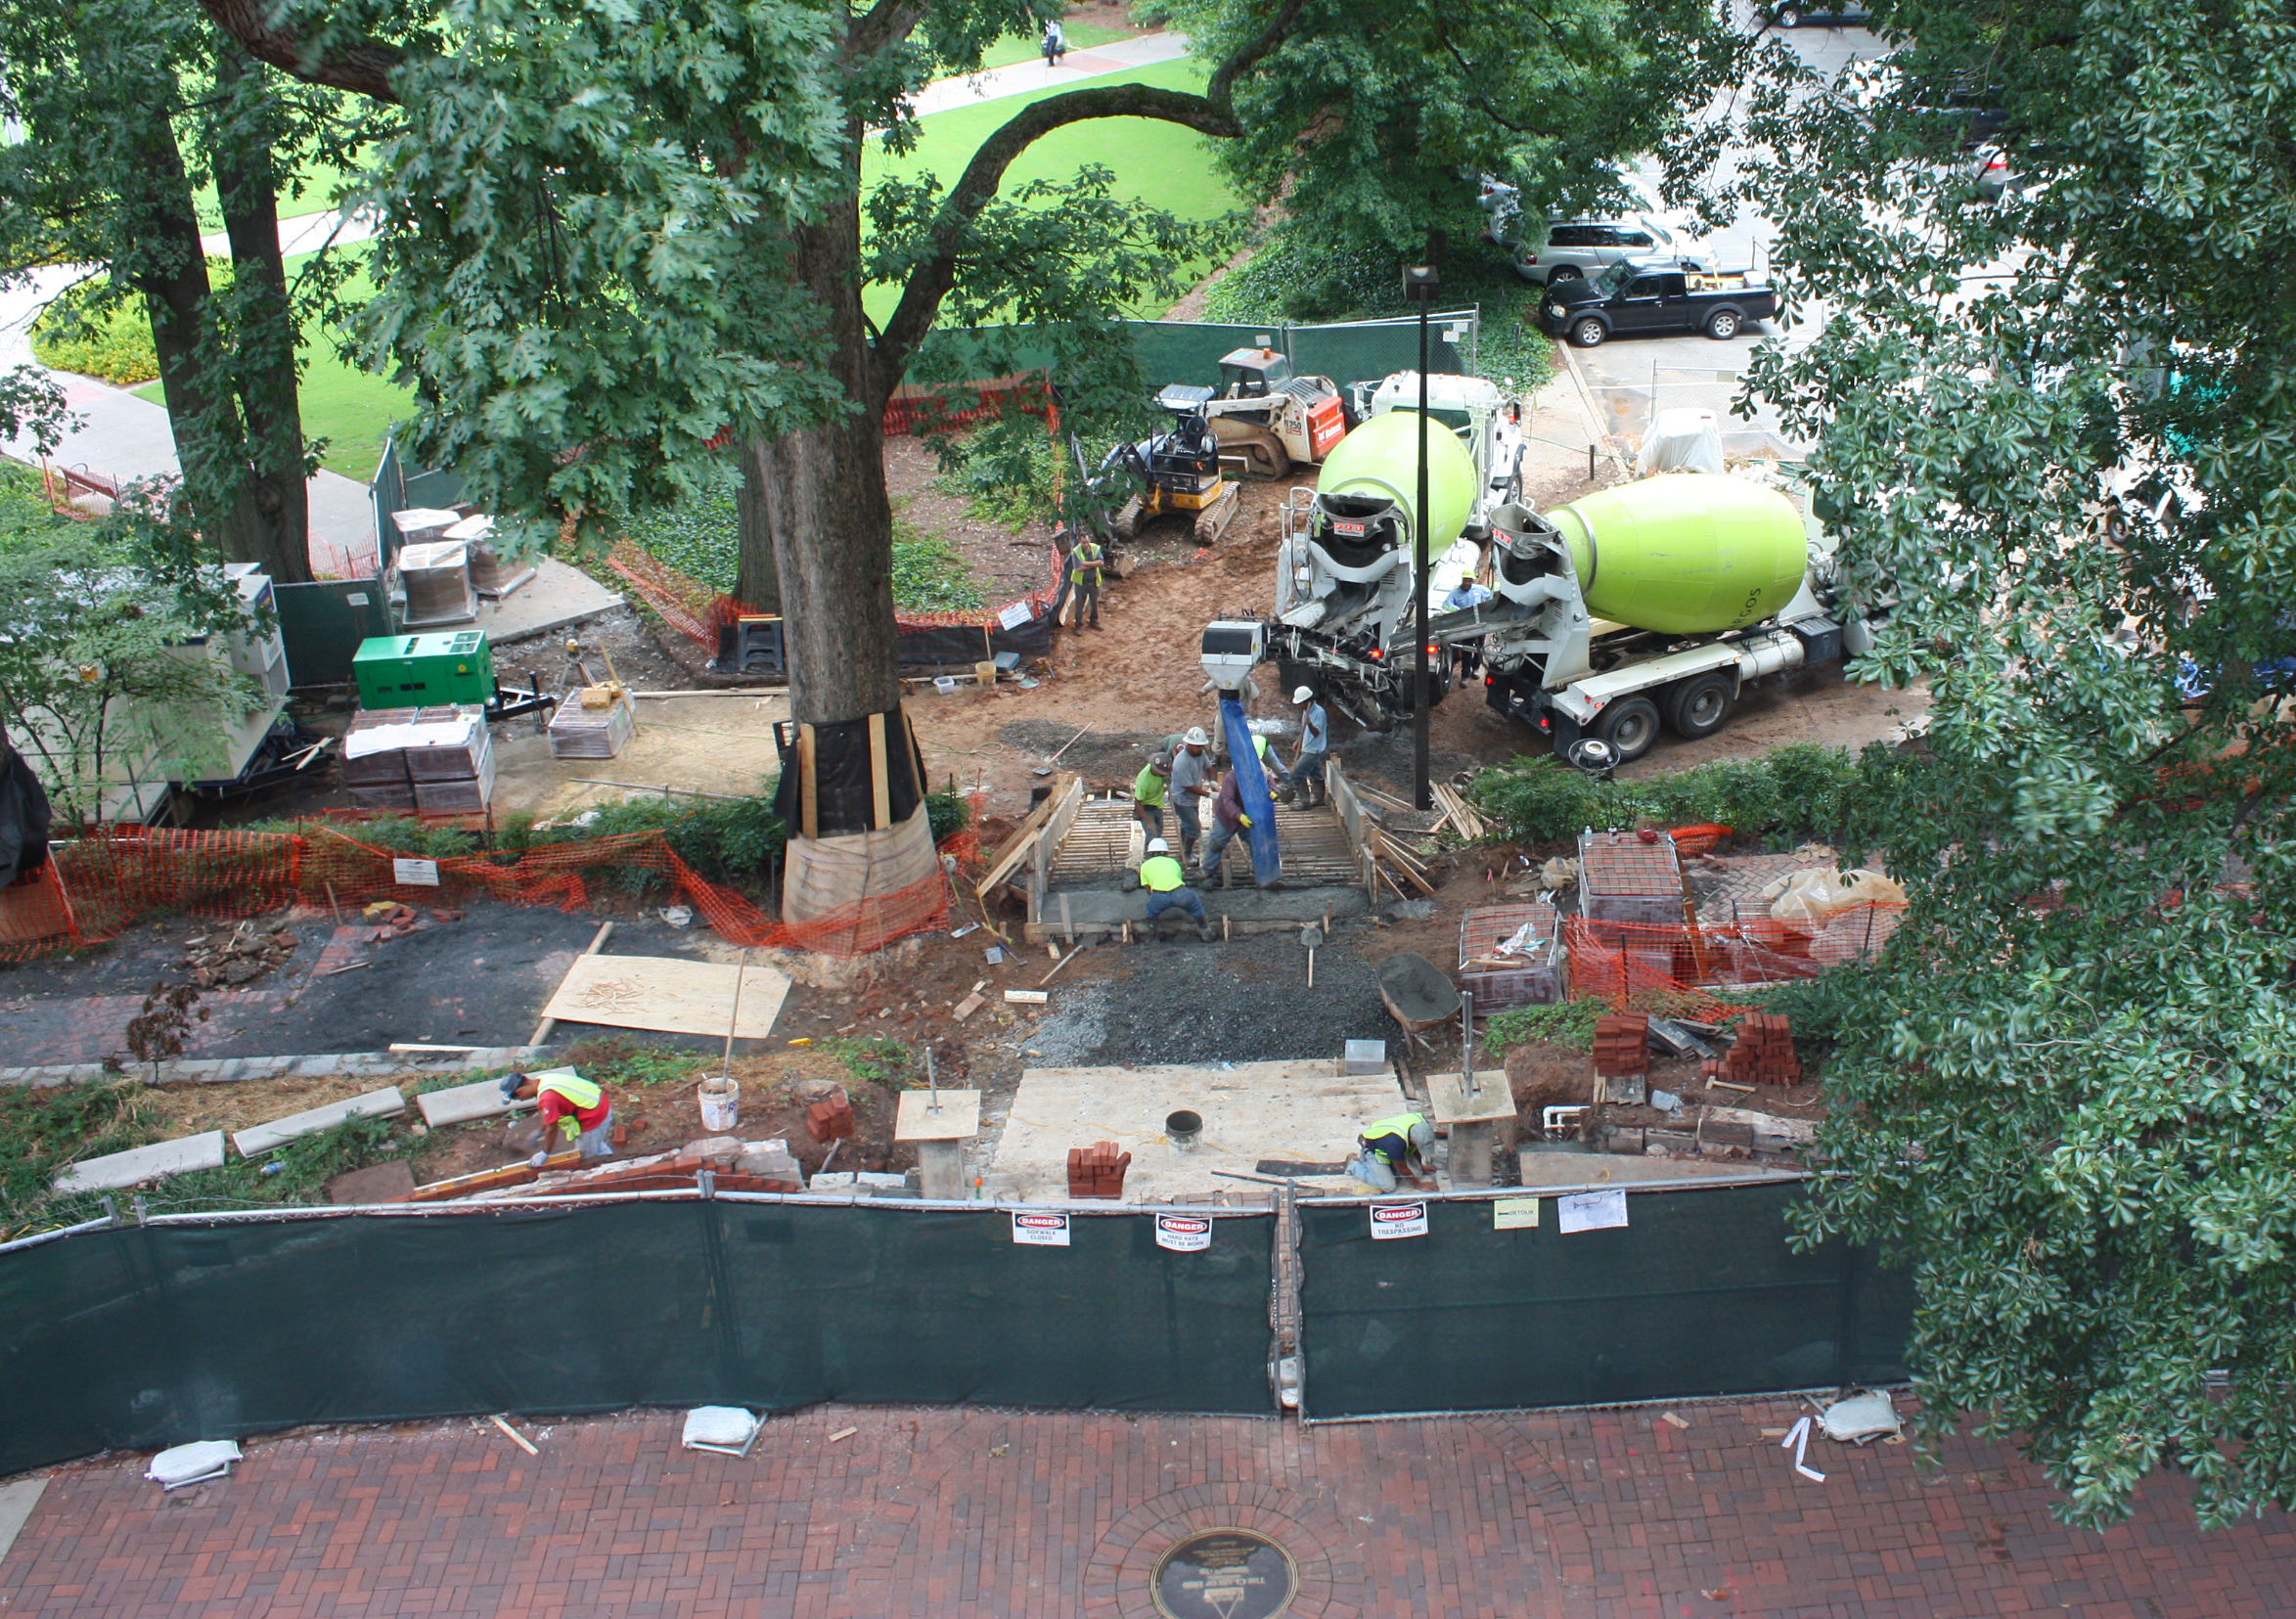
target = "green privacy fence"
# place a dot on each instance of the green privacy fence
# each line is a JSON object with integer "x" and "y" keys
{"x": 1188, "y": 351}
{"x": 204, "y": 1327}
{"x": 1698, "y": 1293}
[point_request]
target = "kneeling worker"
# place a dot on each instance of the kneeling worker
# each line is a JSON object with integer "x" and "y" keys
{"x": 567, "y": 1105}
{"x": 1167, "y": 882}
{"x": 1392, "y": 1148}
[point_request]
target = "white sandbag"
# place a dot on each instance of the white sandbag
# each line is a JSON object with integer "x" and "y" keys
{"x": 192, "y": 1464}
{"x": 727, "y": 1428}
{"x": 1860, "y": 1418}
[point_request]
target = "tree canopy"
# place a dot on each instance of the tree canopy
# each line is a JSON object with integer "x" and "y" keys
{"x": 2053, "y": 435}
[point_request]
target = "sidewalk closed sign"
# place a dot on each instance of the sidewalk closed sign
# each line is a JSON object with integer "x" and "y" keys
{"x": 1184, "y": 1233}
{"x": 1399, "y": 1220}
{"x": 1044, "y": 1230}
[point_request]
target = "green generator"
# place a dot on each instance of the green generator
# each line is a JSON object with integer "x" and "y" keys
{"x": 415, "y": 671}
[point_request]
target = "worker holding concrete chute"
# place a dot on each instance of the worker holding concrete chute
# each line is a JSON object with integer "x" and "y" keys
{"x": 1392, "y": 1148}
{"x": 1190, "y": 788}
{"x": 566, "y": 1106}
{"x": 1166, "y": 883}
{"x": 1315, "y": 748}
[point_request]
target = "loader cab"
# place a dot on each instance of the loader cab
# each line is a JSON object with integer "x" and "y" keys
{"x": 1253, "y": 374}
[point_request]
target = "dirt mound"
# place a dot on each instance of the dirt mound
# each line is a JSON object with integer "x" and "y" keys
{"x": 1542, "y": 1074}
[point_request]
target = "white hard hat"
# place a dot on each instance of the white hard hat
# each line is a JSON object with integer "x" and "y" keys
{"x": 1156, "y": 845}
{"x": 1196, "y": 737}
{"x": 1302, "y": 695}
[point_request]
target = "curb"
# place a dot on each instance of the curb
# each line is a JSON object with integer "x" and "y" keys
{"x": 338, "y": 1064}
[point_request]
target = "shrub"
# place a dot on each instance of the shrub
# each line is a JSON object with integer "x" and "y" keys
{"x": 1566, "y": 1023}
{"x": 1801, "y": 789}
{"x": 91, "y": 330}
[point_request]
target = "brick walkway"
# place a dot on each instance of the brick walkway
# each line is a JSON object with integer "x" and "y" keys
{"x": 938, "y": 1513}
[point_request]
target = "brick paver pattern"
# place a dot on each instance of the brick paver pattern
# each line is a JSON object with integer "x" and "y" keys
{"x": 944, "y": 1513}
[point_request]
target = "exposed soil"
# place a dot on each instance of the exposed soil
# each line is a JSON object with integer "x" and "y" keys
{"x": 1004, "y": 564}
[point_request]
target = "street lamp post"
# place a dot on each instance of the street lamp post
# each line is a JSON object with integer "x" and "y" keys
{"x": 1421, "y": 283}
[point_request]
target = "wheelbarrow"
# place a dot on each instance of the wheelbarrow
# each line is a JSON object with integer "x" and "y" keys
{"x": 1419, "y": 995}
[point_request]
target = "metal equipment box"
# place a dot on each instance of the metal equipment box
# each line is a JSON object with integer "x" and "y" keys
{"x": 412, "y": 671}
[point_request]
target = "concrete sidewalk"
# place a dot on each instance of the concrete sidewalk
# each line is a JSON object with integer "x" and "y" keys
{"x": 932, "y": 1513}
{"x": 1023, "y": 78}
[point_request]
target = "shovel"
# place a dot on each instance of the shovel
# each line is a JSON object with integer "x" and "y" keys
{"x": 1311, "y": 936}
{"x": 1046, "y": 769}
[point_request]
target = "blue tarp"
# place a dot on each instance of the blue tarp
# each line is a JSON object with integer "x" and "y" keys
{"x": 1252, "y": 785}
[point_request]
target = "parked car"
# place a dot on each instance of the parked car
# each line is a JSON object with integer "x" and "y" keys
{"x": 1795, "y": 14}
{"x": 1654, "y": 295}
{"x": 1578, "y": 248}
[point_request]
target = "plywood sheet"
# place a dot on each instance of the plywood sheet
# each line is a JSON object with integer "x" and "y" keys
{"x": 667, "y": 993}
{"x": 1299, "y": 1111}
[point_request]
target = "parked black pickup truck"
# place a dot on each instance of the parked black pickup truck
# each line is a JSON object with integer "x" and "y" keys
{"x": 1645, "y": 297}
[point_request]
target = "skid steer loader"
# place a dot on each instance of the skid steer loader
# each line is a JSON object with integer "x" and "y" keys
{"x": 1263, "y": 415}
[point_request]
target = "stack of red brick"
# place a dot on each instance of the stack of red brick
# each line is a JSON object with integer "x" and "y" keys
{"x": 832, "y": 1118}
{"x": 1622, "y": 1046}
{"x": 1762, "y": 1054}
{"x": 1096, "y": 1171}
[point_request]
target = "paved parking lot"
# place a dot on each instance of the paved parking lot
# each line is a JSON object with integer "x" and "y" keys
{"x": 933, "y": 1514}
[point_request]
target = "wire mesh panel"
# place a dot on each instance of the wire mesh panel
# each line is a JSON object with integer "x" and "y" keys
{"x": 189, "y": 1330}
{"x": 1498, "y": 1307}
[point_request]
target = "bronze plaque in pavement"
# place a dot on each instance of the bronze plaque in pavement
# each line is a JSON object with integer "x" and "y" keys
{"x": 1224, "y": 1574}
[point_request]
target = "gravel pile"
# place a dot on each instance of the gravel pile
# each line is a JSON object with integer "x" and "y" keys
{"x": 1244, "y": 1001}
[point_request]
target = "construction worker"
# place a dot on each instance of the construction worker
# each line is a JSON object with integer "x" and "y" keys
{"x": 1166, "y": 883}
{"x": 1087, "y": 558}
{"x": 1270, "y": 762}
{"x": 1315, "y": 746}
{"x": 1228, "y": 819}
{"x": 1391, "y": 1149}
{"x": 568, "y": 1107}
{"x": 1190, "y": 772}
{"x": 1148, "y": 789}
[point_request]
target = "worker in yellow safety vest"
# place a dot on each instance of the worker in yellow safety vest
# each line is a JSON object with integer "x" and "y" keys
{"x": 1166, "y": 883}
{"x": 568, "y": 1108}
{"x": 1088, "y": 557}
{"x": 1391, "y": 1149}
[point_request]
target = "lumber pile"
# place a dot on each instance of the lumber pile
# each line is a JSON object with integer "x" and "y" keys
{"x": 1098, "y": 1171}
{"x": 1622, "y": 1046}
{"x": 1462, "y": 818}
{"x": 1762, "y": 1054}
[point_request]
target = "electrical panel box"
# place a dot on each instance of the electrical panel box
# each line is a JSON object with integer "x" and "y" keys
{"x": 415, "y": 671}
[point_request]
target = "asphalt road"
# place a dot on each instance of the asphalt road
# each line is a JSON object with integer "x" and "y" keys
{"x": 1630, "y": 377}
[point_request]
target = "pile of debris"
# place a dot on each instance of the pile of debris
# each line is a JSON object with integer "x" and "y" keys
{"x": 236, "y": 955}
{"x": 395, "y": 921}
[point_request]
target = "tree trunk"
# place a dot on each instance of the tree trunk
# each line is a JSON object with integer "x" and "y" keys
{"x": 263, "y": 331}
{"x": 822, "y": 497}
{"x": 759, "y": 582}
{"x": 172, "y": 276}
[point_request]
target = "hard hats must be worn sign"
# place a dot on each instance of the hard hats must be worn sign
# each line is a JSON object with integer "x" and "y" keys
{"x": 1399, "y": 1220}
{"x": 1044, "y": 1230}
{"x": 1184, "y": 1233}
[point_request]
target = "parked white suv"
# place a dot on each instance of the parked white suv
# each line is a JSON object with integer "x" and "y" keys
{"x": 1575, "y": 248}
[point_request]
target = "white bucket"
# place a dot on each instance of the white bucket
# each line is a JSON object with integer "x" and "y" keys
{"x": 721, "y": 1103}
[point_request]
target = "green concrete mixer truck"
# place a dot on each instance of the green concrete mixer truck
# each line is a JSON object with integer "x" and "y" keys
{"x": 1642, "y": 608}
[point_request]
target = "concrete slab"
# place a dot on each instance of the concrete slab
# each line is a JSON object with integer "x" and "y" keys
{"x": 265, "y": 1138}
{"x": 17, "y": 1501}
{"x": 460, "y": 1104}
{"x": 959, "y": 1118}
{"x": 1447, "y": 1097}
{"x": 1545, "y": 1167}
{"x": 1101, "y": 911}
{"x": 1299, "y": 1110}
{"x": 180, "y": 1156}
{"x": 557, "y": 595}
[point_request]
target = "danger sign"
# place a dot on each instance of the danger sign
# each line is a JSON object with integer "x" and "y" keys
{"x": 1399, "y": 1220}
{"x": 1184, "y": 1233}
{"x": 1044, "y": 1230}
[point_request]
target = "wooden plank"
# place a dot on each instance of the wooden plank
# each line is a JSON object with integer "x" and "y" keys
{"x": 1017, "y": 847}
{"x": 809, "y": 795}
{"x": 597, "y": 940}
{"x": 670, "y": 994}
{"x": 1027, "y": 996}
{"x": 881, "y": 789}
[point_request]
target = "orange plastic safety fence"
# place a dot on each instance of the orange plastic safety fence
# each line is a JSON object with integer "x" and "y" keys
{"x": 1694, "y": 973}
{"x": 97, "y": 887}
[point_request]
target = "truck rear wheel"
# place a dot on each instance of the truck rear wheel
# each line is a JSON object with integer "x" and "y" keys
{"x": 1700, "y": 705}
{"x": 1628, "y": 725}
